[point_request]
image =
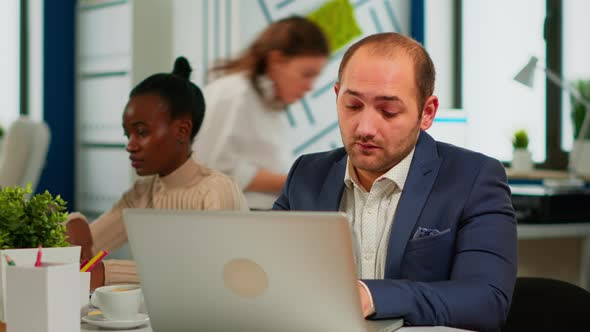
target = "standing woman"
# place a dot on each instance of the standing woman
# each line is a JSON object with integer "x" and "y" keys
{"x": 161, "y": 118}
{"x": 244, "y": 129}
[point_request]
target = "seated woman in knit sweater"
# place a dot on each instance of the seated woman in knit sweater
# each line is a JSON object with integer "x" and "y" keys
{"x": 162, "y": 116}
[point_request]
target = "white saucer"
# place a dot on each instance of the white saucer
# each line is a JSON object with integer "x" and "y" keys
{"x": 101, "y": 321}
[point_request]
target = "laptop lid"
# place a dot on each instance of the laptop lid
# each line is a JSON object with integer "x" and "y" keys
{"x": 247, "y": 271}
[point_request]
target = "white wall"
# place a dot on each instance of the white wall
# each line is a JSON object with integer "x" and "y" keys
{"x": 35, "y": 83}
{"x": 9, "y": 62}
{"x": 576, "y": 55}
{"x": 498, "y": 39}
{"x": 439, "y": 42}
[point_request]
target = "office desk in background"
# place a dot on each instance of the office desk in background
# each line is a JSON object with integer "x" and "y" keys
{"x": 543, "y": 235}
{"x": 553, "y": 249}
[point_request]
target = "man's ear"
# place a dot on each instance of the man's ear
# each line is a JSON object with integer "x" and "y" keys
{"x": 336, "y": 89}
{"x": 429, "y": 112}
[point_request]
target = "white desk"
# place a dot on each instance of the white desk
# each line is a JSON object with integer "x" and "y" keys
{"x": 553, "y": 231}
{"x": 524, "y": 231}
{"x": 89, "y": 328}
{"x": 547, "y": 231}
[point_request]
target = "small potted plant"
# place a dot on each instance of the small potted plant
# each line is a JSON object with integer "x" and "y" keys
{"x": 579, "y": 109}
{"x": 581, "y": 146}
{"x": 27, "y": 223}
{"x": 521, "y": 156}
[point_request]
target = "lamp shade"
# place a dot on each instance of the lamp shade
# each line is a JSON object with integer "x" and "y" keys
{"x": 526, "y": 75}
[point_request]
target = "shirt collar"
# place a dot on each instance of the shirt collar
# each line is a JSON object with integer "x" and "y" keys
{"x": 181, "y": 175}
{"x": 267, "y": 88}
{"x": 397, "y": 174}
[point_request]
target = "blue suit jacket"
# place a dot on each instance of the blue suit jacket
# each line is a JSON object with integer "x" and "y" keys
{"x": 463, "y": 276}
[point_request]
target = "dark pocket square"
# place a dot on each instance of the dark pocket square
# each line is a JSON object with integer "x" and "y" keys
{"x": 422, "y": 232}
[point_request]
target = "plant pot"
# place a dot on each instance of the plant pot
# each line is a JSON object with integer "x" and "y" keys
{"x": 522, "y": 160}
{"x": 27, "y": 257}
{"x": 581, "y": 154}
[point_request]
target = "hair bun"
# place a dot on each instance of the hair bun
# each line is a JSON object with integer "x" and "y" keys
{"x": 182, "y": 68}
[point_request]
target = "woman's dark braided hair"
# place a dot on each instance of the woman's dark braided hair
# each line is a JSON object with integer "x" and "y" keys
{"x": 176, "y": 89}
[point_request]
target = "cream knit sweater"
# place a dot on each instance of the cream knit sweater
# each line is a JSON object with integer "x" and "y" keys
{"x": 190, "y": 187}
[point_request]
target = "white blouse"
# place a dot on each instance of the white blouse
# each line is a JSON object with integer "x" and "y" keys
{"x": 242, "y": 134}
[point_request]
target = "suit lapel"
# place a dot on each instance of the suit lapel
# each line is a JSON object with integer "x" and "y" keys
{"x": 421, "y": 177}
{"x": 329, "y": 199}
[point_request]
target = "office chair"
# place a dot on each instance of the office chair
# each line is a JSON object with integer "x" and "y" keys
{"x": 24, "y": 152}
{"x": 540, "y": 304}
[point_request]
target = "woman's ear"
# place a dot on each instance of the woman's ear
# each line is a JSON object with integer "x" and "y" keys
{"x": 185, "y": 126}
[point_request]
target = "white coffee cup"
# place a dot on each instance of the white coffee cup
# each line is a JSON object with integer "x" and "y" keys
{"x": 117, "y": 302}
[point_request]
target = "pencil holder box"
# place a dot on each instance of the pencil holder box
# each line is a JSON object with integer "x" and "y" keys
{"x": 26, "y": 257}
{"x": 43, "y": 299}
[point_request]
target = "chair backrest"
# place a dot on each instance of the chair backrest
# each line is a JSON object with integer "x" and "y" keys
{"x": 23, "y": 153}
{"x": 540, "y": 304}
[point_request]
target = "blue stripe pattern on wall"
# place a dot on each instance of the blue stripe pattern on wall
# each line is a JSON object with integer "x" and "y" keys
{"x": 313, "y": 131}
{"x": 375, "y": 18}
{"x": 360, "y": 3}
{"x": 284, "y": 3}
{"x": 298, "y": 150}
{"x": 308, "y": 112}
{"x": 58, "y": 98}
{"x": 290, "y": 118}
{"x": 336, "y": 57}
{"x": 265, "y": 10}
{"x": 321, "y": 90}
{"x": 451, "y": 120}
{"x": 392, "y": 18}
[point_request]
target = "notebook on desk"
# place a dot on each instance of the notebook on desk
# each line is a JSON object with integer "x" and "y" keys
{"x": 247, "y": 271}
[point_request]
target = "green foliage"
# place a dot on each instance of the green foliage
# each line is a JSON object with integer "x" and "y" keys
{"x": 27, "y": 223}
{"x": 337, "y": 21}
{"x": 520, "y": 139}
{"x": 1, "y": 131}
{"x": 578, "y": 109}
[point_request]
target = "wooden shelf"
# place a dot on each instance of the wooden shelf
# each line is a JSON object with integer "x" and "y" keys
{"x": 545, "y": 231}
{"x": 538, "y": 174}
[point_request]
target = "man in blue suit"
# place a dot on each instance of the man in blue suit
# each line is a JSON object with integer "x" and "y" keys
{"x": 433, "y": 227}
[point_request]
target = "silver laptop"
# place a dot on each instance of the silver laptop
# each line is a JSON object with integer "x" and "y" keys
{"x": 247, "y": 271}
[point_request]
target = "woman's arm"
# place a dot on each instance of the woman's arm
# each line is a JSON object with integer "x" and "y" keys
{"x": 78, "y": 233}
{"x": 105, "y": 233}
{"x": 266, "y": 181}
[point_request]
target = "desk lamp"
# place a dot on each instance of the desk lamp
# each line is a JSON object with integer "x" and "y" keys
{"x": 526, "y": 76}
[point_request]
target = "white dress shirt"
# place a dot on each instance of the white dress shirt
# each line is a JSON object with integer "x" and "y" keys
{"x": 242, "y": 133}
{"x": 371, "y": 215}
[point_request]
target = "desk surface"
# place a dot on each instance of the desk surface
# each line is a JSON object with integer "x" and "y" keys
{"x": 525, "y": 231}
{"x": 545, "y": 231}
{"x": 539, "y": 174}
{"x": 89, "y": 328}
